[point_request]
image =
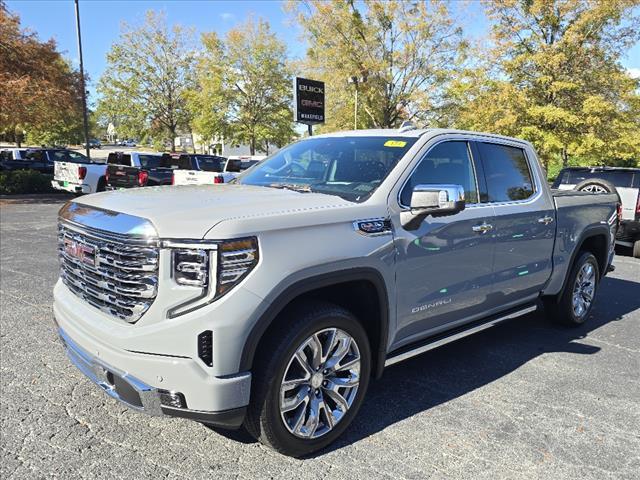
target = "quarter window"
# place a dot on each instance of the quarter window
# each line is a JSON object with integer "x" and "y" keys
{"x": 507, "y": 172}
{"x": 446, "y": 163}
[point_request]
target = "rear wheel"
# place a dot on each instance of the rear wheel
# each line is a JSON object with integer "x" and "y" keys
{"x": 102, "y": 185}
{"x": 575, "y": 302}
{"x": 310, "y": 380}
{"x": 636, "y": 249}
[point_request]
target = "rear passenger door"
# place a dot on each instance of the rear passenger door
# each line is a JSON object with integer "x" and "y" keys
{"x": 524, "y": 222}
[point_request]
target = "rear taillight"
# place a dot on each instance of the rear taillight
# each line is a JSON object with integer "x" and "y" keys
{"x": 218, "y": 179}
{"x": 143, "y": 176}
{"x": 619, "y": 212}
{"x": 106, "y": 175}
{"x": 82, "y": 172}
{"x": 638, "y": 205}
{"x": 173, "y": 178}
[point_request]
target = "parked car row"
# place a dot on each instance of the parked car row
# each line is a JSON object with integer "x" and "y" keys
{"x": 76, "y": 174}
{"x": 39, "y": 159}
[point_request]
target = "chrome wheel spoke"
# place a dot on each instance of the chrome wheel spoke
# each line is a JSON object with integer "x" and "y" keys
{"x": 291, "y": 403}
{"x": 338, "y": 399}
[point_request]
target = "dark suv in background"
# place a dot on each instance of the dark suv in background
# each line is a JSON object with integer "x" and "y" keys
{"x": 624, "y": 181}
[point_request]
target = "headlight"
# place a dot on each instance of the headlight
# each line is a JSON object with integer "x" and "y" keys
{"x": 236, "y": 258}
{"x": 212, "y": 267}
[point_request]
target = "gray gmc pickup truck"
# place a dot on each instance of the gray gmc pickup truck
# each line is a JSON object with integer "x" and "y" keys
{"x": 270, "y": 303}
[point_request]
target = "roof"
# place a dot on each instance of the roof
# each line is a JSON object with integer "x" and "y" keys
{"x": 415, "y": 133}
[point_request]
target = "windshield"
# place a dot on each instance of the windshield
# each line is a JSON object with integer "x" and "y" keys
{"x": 349, "y": 167}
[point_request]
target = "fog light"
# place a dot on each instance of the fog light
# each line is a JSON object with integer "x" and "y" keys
{"x": 172, "y": 399}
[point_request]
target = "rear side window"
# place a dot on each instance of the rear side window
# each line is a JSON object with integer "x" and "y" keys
{"x": 5, "y": 155}
{"x": 507, "y": 172}
{"x": 209, "y": 164}
{"x": 119, "y": 159}
{"x": 150, "y": 161}
{"x": 234, "y": 165}
{"x": 446, "y": 163}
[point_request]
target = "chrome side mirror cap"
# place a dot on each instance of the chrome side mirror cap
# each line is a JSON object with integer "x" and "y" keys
{"x": 436, "y": 200}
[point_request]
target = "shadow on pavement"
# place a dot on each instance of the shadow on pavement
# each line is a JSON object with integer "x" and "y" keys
{"x": 453, "y": 370}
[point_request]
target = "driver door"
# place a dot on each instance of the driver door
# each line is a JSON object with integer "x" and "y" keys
{"x": 444, "y": 267}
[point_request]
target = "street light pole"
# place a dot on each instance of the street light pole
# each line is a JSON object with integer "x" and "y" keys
{"x": 84, "y": 91}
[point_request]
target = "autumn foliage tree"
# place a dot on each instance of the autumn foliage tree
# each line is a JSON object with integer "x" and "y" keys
{"x": 554, "y": 77}
{"x": 40, "y": 93}
{"x": 244, "y": 87}
{"x": 149, "y": 71}
{"x": 400, "y": 55}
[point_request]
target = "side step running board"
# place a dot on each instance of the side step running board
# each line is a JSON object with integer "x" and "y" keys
{"x": 453, "y": 335}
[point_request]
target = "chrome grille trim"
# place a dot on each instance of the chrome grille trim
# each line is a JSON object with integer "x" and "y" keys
{"x": 120, "y": 277}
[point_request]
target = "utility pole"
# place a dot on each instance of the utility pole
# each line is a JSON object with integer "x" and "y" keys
{"x": 84, "y": 91}
{"x": 356, "y": 80}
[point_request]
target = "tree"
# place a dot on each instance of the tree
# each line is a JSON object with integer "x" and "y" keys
{"x": 40, "y": 93}
{"x": 209, "y": 100}
{"x": 556, "y": 80}
{"x": 244, "y": 88}
{"x": 147, "y": 76}
{"x": 400, "y": 54}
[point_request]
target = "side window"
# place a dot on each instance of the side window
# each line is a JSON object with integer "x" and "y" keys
{"x": 447, "y": 162}
{"x": 507, "y": 172}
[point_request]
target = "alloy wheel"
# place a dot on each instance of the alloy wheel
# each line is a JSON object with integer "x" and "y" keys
{"x": 320, "y": 383}
{"x": 584, "y": 289}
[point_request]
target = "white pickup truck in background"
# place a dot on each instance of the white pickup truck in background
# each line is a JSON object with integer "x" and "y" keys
{"x": 77, "y": 174}
{"x": 210, "y": 169}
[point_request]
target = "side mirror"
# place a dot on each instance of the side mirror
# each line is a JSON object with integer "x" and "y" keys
{"x": 437, "y": 200}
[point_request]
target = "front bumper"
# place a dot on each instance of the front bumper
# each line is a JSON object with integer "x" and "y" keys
{"x": 140, "y": 396}
{"x": 70, "y": 187}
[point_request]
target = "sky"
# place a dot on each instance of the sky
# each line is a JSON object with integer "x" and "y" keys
{"x": 101, "y": 21}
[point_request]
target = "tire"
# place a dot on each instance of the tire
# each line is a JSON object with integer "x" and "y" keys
{"x": 636, "y": 249}
{"x": 596, "y": 185}
{"x": 277, "y": 360}
{"x": 562, "y": 309}
{"x": 102, "y": 185}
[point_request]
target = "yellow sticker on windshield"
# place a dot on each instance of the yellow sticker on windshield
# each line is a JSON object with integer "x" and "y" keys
{"x": 395, "y": 143}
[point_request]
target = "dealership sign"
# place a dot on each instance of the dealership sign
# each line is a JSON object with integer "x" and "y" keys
{"x": 309, "y": 101}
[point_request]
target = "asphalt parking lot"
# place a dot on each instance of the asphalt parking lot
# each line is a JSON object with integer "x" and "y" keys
{"x": 523, "y": 400}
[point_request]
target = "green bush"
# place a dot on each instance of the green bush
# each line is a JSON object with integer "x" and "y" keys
{"x": 15, "y": 182}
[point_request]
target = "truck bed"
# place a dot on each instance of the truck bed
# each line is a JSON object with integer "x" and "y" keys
{"x": 579, "y": 215}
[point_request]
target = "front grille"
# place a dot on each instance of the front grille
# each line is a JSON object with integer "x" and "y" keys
{"x": 115, "y": 273}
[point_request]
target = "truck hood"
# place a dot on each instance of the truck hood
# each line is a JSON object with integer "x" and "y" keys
{"x": 193, "y": 211}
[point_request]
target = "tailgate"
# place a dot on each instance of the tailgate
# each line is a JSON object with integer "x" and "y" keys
{"x": 121, "y": 176}
{"x": 193, "y": 177}
{"x": 66, "y": 172}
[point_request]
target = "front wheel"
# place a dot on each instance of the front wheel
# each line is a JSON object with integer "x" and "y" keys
{"x": 636, "y": 249}
{"x": 310, "y": 379}
{"x": 576, "y": 301}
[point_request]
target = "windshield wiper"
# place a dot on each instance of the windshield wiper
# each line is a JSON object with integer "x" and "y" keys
{"x": 291, "y": 186}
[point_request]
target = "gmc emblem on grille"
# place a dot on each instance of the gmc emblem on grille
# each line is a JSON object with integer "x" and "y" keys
{"x": 80, "y": 251}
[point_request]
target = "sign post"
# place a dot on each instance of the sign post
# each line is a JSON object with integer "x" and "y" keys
{"x": 308, "y": 102}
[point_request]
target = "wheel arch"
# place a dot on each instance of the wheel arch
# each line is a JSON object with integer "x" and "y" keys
{"x": 360, "y": 290}
{"x": 594, "y": 239}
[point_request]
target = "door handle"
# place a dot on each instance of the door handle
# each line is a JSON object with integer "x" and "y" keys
{"x": 483, "y": 228}
{"x": 546, "y": 220}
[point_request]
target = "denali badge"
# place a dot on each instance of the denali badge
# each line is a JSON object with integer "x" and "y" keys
{"x": 427, "y": 306}
{"x": 80, "y": 251}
